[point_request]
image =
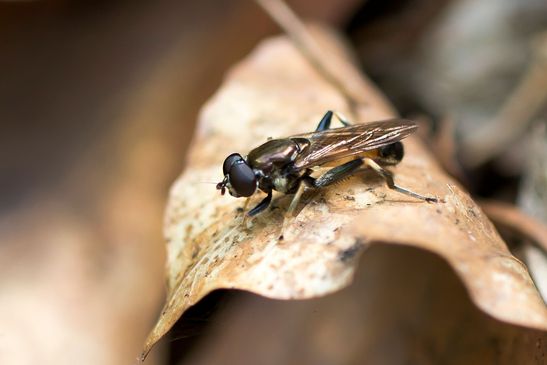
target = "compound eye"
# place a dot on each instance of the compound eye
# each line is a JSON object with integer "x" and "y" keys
{"x": 229, "y": 161}
{"x": 242, "y": 179}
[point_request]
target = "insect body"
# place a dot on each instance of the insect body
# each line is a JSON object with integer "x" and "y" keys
{"x": 285, "y": 165}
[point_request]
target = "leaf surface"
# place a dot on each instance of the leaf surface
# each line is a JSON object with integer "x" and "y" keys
{"x": 275, "y": 92}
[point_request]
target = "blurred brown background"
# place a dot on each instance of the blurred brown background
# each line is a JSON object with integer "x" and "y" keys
{"x": 98, "y": 101}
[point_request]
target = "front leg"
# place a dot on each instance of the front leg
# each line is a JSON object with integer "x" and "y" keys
{"x": 262, "y": 205}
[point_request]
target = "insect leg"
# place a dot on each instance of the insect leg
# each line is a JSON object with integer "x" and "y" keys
{"x": 296, "y": 198}
{"x": 342, "y": 118}
{"x": 294, "y": 203}
{"x": 261, "y": 206}
{"x": 246, "y": 205}
{"x": 388, "y": 177}
{"x": 337, "y": 173}
{"x": 324, "y": 124}
{"x": 333, "y": 175}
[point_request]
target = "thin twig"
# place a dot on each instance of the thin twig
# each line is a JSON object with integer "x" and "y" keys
{"x": 510, "y": 217}
{"x": 515, "y": 116}
{"x": 289, "y": 22}
{"x": 445, "y": 147}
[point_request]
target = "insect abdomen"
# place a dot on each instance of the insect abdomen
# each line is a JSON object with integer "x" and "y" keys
{"x": 370, "y": 154}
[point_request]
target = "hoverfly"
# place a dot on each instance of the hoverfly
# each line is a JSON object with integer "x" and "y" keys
{"x": 285, "y": 165}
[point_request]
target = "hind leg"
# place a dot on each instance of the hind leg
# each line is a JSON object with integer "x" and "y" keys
{"x": 340, "y": 172}
{"x": 388, "y": 177}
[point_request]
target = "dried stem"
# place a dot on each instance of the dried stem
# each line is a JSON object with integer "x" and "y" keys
{"x": 289, "y": 22}
{"x": 515, "y": 116}
{"x": 510, "y": 217}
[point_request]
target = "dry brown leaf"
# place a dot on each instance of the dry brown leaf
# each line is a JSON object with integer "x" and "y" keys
{"x": 392, "y": 313}
{"x": 275, "y": 93}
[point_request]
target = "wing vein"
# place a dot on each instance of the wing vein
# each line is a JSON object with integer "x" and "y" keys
{"x": 333, "y": 144}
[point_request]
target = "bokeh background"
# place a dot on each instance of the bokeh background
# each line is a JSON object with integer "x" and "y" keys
{"x": 98, "y": 102}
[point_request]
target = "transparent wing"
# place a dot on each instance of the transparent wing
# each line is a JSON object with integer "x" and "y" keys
{"x": 338, "y": 143}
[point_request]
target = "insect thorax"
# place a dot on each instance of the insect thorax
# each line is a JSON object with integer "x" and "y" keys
{"x": 283, "y": 182}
